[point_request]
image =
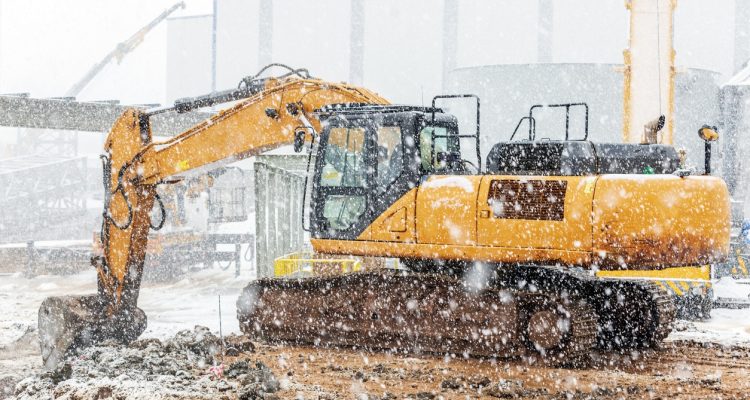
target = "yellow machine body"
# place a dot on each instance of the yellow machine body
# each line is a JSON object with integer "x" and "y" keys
{"x": 635, "y": 222}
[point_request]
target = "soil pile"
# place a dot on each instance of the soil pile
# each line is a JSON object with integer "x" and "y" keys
{"x": 186, "y": 366}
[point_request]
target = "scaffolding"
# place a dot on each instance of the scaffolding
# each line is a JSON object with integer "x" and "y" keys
{"x": 39, "y": 196}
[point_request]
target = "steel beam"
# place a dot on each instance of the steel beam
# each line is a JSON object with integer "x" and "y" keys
{"x": 27, "y": 112}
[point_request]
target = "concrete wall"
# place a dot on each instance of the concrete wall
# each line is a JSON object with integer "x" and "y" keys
{"x": 188, "y": 57}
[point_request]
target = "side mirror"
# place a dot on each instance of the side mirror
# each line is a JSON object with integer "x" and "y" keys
{"x": 299, "y": 141}
{"x": 708, "y": 133}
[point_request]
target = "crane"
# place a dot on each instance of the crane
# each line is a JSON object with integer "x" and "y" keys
{"x": 120, "y": 51}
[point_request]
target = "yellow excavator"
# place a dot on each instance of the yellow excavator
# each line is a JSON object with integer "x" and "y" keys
{"x": 500, "y": 255}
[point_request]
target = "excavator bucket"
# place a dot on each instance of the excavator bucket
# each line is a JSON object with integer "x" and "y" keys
{"x": 69, "y": 322}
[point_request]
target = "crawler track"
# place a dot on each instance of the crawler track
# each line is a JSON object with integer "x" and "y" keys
{"x": 417, "y": 312}
{"x": 552, "y": 314}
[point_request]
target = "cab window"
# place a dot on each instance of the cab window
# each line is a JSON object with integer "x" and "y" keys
{"x": 390, "y": 156}
{"x": 434, "y": 156}
{"x": 344, "y": 158}
{"x": 344, "y": 166}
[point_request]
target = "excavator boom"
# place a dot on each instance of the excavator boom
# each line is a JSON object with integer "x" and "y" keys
{"x": 266, "y": 115}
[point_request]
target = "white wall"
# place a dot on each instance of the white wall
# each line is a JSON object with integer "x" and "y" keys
{"x": 188, "y": 57}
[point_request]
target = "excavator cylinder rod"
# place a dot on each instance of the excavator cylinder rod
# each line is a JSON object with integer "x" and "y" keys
{"x": 191, "y": 103}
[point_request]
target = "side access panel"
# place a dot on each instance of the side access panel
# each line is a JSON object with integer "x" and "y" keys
{"x": 646, "y": 221}
{"x": 536, "y": 217}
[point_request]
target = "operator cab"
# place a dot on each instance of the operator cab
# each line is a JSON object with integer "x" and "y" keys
{"x": 576, "y": 157}
{"x": 369, "y": 156}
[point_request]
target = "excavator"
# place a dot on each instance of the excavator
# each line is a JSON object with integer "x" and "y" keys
{"x": 501, "y": 256}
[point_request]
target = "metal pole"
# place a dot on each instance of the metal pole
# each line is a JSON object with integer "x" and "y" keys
{"x": 741, "y": 33}
{"x": 356, "y": 42}
{"x": 544, "y": 31}
{"x": 707, "y": 159}
{"x": 213, "y": 46}
{"x": 265, "y": 33}
{"x": 221, "y": 332}
{"x": 450, "y": 38}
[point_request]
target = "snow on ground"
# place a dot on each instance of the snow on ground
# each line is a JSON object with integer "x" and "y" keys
{"x": 727, "y": 287}
{"x": 170, "y": 307}
{"x": 194, "y": 300}
{"x": 726, "y": 326}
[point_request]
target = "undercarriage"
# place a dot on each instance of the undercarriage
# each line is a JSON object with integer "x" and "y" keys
{"x": 551, "y": 314}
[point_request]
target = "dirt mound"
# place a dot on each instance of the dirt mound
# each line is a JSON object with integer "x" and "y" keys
{"x": 186, "y": 366}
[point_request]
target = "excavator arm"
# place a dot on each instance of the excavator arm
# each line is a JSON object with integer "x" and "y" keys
{"x": 266, "y": 116}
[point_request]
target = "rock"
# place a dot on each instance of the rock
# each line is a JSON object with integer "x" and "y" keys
{"x": 240, "y": 344}
{"x": 632, "y": 389}
{"x": 504, "y": 389}
{"x": 480, "y": 382}
{"x": 267, "y": 378}
{"x": 200, "y": 341}
{"x": 258, "y": 381}
{"x": 142, "y": 344}
{"x": 359, "y": 375}
{"x": 250, "y": 392}
{"x": 223, "y": 386}
{"x": 231, "y": 352}
{"x": 237, "y": 368}
{"x": 379, "y": 368}
{"x": 450, "y": 383}
{"x": 424, "y": 396}
{"x": 183, "y": 374}
{"x": 713, "y": 380}
{"x": 7, "y": 386}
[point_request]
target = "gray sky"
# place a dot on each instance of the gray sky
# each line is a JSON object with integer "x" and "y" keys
{"x": 47, "y": 45}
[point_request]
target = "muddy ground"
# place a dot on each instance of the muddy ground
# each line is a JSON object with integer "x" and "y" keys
{"x": 680, "y": 370}
{"x": 181, "y": 368}
{"x": 701, "y": 359}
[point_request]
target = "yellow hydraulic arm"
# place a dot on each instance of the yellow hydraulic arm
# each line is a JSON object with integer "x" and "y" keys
{"x": 266, "y": 116}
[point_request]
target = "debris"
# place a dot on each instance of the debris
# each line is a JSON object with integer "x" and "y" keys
{"x": 450, "y": 383}
{"x": 217, "y": 371}
{"x": 180, "y": 367}
{"x": 7, "y": 386}
{"x": 505, "y": 389}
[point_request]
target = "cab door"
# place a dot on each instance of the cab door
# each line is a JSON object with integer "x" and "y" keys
{"x": 365, "y": 179}
{"x": 396, "y": 177}
{"x": 342, "y": 181}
